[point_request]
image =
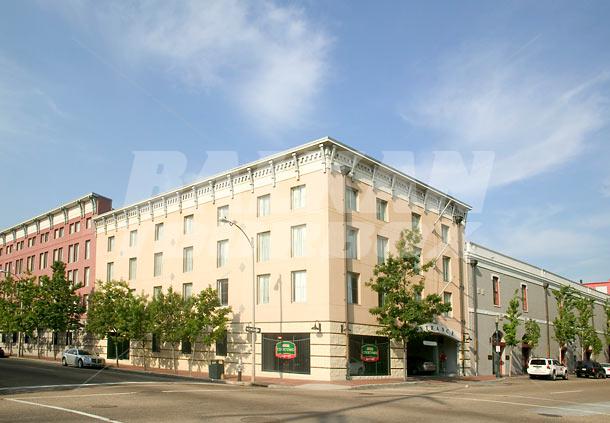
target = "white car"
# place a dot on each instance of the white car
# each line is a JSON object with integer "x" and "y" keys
{"x": 547, "y": 368}
{"x": 81, "y": 358}
{"x": 606, "y": 367}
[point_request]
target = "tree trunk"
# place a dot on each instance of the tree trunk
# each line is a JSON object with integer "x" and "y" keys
{"x": 174, "y": 357}
{"x": 510, "y": 362}
{"x": 144, "y": 355}
{"x": 116, "y": 351}
{"x": 404, "y": 343}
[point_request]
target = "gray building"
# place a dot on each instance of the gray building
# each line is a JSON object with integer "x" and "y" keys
{"x": 493, "y": 279}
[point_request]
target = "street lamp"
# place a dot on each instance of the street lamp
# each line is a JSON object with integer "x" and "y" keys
{"x": 497, "y": 348}
{"x": 251, "y": 243}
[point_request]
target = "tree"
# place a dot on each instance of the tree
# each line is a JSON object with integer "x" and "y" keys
{"x": 584, "y": 328}
{"x": 532, "y": 333}
{"x": 399, "y": 281}
{"x": 110, "y": 309}
{"x": 9, "y": 304}
{"x": 565, "y": 322}
{"x": 513, "y": 312}
{"x": 139, "y": 323}
{"x": 29, "y": 319}
{"x": 168, "y": 315}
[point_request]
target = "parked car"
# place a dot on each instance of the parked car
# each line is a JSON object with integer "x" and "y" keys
{"x": 81, "y": 358}
{"x": 590, "y": 369}
{"x": 606, "y": 367}
{"x": 419, "y": 365}
{"x": 356, "y": 367}
{"x": 547, "y": 368}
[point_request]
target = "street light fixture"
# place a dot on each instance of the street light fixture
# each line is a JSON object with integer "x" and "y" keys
{"x": 253, "y": 323}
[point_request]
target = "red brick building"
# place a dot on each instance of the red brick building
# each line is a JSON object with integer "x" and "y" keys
{"x": 599, "y": 286}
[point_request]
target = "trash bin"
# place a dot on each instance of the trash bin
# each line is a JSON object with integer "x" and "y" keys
{"x": 216, "y": 369}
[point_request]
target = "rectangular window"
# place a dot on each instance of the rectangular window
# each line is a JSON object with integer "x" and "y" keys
{"x": 30, "y": 263}
{"x": 187, "y": 259}
{"x": 110, "y": 243}
{"x": 446, "y": 269}
{"x": 416, "y": 222}
{"x": 382, "y": 249}
{"x": 263, "y": 289}
{"x": 69, "y": 276}
{"x": 187, "y": 290}
{"x": 156, "y": 345}
{"x": 75, "y": 277}
{"x": 133, "y": 238}
{"x": 158, "y": 264}
{"x": 87, "y": 276}
{"x": 222, "y": 252}
{"x": 445, "y": 234}
{"x": 87, "y": 249}
{"x": 351, "y": 249}
{"x": 298, "y": 236}
{"x": 351, "y": 199}
{"x": 186, "y": 347}
{"x": 43, "y": 260}
{"x": 77, "y": 227}
{"x": 263, "y": 205}
{"x": 76, "y": 252}
{"x": 158, "y": 231}
{"x": 71, "y": 230}
{"x": 222, "y": 287}
{"x": 299, "y": 286}
{"x": 70, "y": 253}
{"x": 133, "y": 267}
{"x": 156, "y": 292}
{"x": 188, "y": 224}
{"x": 221, "y": 346}
{"x": 88, "y": 223}
{"x": 496, "y": 290}
{"x": 109, "y": 271}
{"x": 447, "y": 300}
{"x": 263, "y": 250}
{"x": 352, "y": 287}
{"x": 222, "y": 213}
{"x": 382, "y": 210}
{"x": 524, "y": 297}
{"x": 297, "y": 197}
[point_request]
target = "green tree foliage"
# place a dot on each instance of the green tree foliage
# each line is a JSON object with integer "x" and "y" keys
{"x": 400, "y": 282}
{"x": 565, "y": 322}
{"x": 510, "y": 327}
{"x": 29, "y": 319}
{"x": 9, "y": 304}
{"x": 532, "y": 333}
{"x": 168, "y": 312}
{"x": 584, "y": 326}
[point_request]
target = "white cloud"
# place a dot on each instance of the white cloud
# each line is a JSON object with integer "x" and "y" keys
{"x": 534, "y": 120}
{"x": 269, "y": 58}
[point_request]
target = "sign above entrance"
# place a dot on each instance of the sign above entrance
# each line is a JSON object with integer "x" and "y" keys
{"x": 431, "y": 343}
{"x": 439, "y": 329}
{"x": 369, "y": 353}
{"x": 286, "y": 350}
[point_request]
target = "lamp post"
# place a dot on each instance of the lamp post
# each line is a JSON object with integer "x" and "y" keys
{"x": 497, "y": 348}
{"x": 253, "y": 323}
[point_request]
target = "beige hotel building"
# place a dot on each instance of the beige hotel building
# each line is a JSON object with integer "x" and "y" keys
{"x": 321, "y": 216}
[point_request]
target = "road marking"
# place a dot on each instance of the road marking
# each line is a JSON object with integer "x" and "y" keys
{"x": 78, "y": 396}
{"x": 67, "y": 410}
{"x": 82, "y": 385}
{"x": 566, "y": 392}
{"x": 200, "y": 390}
{"x": 545, "y": 399}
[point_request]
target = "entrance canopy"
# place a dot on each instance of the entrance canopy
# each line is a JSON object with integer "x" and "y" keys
{"x": 439, "y": 329}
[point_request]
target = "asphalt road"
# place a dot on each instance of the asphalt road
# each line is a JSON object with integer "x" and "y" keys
{"x": 514, "y": 400}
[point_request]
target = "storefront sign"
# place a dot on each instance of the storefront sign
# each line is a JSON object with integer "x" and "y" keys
{"x": 369, "y": 353}
{"x": 440, "y": 329}
{"x": 286, "y": 350}
{"x": 431, "y": 343}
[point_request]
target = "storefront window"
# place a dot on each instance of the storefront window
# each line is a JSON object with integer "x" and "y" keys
{"x": 369, "y": 355}
{"x": 294, "y": 347}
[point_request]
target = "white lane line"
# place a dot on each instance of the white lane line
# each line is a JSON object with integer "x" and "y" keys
{"x": 84, "y": 385}
{"x": 202, "y": 390}
{"x": 67, "y": 410}
{"x": 546, "y": 399}
{"x": 520, "y": 403}
{"x": 78, "y": 396}
{"x": 566, "y": 392}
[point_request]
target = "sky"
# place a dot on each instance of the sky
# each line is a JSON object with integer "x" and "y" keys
{"x": 502, "y": 104}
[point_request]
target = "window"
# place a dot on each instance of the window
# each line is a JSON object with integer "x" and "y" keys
{"x": 496, "y": 290}
{"x": 351, "y": 249}
{"x": 71, "y": 230}
{"x": 222, "y": 213}
{"x": 76, "y": 252}
{"x": 77, "y": 227}
{"x": 297, "y": 197}
{"x": 351, "y": 199}
{"x": 55, "y": 255}
{"x": 87, "y": 249}
{"x": 188, "y": 224}
{"x": 187, "y": 290}
{"x": 31, "y": 242}
{"x": 352, "y": 287}
{"x": 263, "y": 248}
{"x": 382, "y": 210}
{"x": 263, "y": 289}
{"x": 43, "y": 261}
{"x": 446, "y": 269}
{"x": 109, "y": 271}
{"x": 415, "y": 222}
{"x": 186, "y": 346}
{"x": 221, "y": 346}
{"x": 69, "y": 276}
{"x": 299, "y": 286}
{"x": 156, "y": 345}
{"x": 158, "y": 231}
{"x": 110, "y": 243}
{"x": 70, "y": 253}
{"x": 30, "y": 263}
{"x": 447, "y": 300}
{"x": 445, "y": 234}
{"x": 263, "y": 205}
{"x": 187, "y": 259}
{"x": 156, "y": 292}
{"x": 18, "y": 266}
{"x": 87, "y": 276}
{"x": 222, "y": 251}
{"x": 158, "y": 264}
{"x": 86, "y": 302}
{"x": 133, "y": 238}
{"x": 222, "y": 287}
{"x": 88, "y": 223}
{"x": 60, "y": 254}
{"x": 298, "y": 236}
{"x": 382, "y": 249}
{"x": 524, "y": 297}
{"x": 133, "y": 267}
{"x": 75, "y": 278}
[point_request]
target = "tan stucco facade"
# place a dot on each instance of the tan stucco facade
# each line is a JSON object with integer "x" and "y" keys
{"x": 316, "y": 166}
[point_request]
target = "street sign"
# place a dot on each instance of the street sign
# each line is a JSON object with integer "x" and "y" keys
{"x": 252, "y": 329}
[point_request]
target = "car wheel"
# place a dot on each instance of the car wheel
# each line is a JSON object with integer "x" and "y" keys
{"x": 80, "y": 364}
{"x": 532, "y": 377}
{"x": 565, "y": 376}
{"x": 553, "y": 376}
{"x": 63, "y": 361}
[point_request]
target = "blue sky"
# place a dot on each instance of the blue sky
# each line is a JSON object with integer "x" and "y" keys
{"x": 504, "y": 104}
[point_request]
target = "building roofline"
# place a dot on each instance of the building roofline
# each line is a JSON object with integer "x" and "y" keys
{"x": 52, "y": 211}
{"x": 285, "y": 154}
